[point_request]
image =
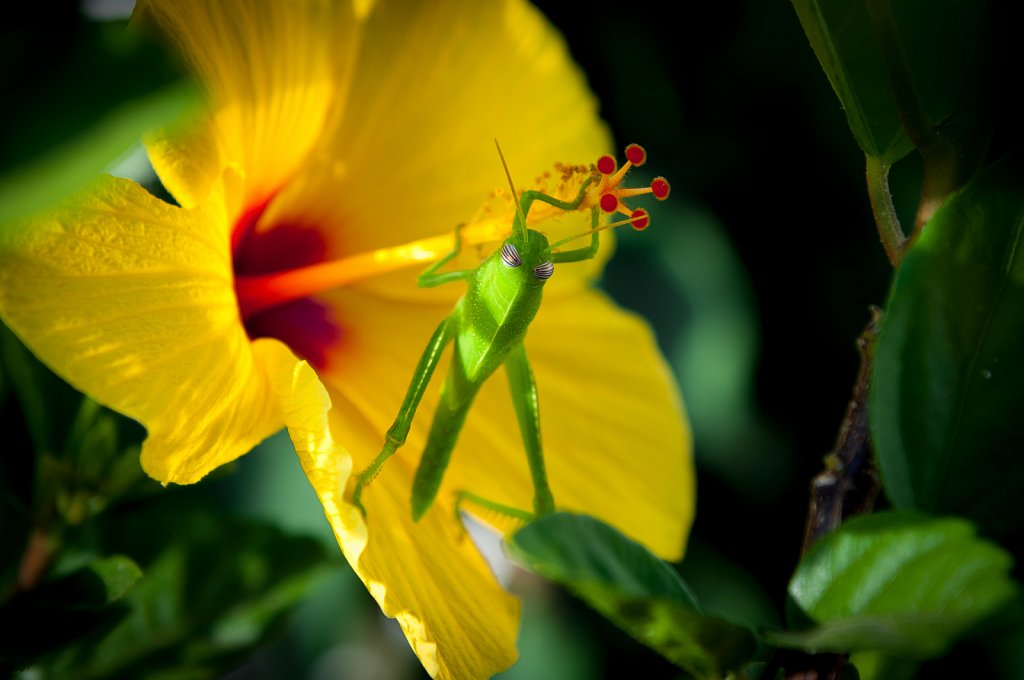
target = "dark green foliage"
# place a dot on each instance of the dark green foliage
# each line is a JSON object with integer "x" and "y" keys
{"x": 626, "y": 583}
{"x": 949, "y": 371}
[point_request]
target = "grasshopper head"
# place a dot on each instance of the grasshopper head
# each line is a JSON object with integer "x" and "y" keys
{"x": 527, "y": 258}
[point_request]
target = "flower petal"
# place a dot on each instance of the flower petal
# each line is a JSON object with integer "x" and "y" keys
{"x": 616, "y": 439}
{"x": 621, "y": 456}
{"x": 436, "y": 83}
{"x": 131, "y": 301}
{"x": 270, "y": 71}
{"x": 429, "y": 575}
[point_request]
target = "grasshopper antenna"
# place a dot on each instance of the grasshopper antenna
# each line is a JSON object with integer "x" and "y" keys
{"x": 639, "y": 220}
{"x": 519, "y": 225}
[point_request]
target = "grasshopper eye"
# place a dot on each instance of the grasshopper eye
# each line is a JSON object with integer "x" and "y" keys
{"x": 544, "y": 270}
{"x": 510, "y": 256}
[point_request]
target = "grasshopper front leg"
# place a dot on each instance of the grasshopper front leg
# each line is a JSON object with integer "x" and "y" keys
{"x": 399, "y": 430}
{"x": 430, "y": 276}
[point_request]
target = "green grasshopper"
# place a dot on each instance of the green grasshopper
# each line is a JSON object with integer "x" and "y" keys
{"x": 488, "y": 325}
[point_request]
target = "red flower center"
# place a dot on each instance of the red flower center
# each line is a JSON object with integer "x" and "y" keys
{"x": 305, "y": 325}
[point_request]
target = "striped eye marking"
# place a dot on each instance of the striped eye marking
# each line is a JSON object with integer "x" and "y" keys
{"x": 544, "y": 270}
{"x": 510, "y": 256}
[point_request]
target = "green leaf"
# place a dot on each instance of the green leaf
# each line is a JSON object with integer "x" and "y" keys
{"x": 899, "y": 583}
{"x": 948, "y": 380}
{"x": 74, "y": 122}
{"x": 843, "y": 39}
{"x": 214, "y": 589}
{"x": 102, "y": 582}
{"x": 633, "y": 588}
{"x": 942, "y": 50}
{"x": 65, "y": 610}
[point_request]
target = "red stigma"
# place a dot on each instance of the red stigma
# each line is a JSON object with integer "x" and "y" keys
{"x": 606, "y": 165}
{"x": 660, "y": 188}
{"x": 643, "y": 222}
{"x": 635, "y": 154}
{"x": 609, "y": 203}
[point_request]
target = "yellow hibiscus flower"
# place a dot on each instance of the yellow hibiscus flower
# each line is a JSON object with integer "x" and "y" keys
{"x": 354, "y": 137}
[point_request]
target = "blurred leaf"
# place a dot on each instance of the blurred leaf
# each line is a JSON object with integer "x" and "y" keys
{"x": 95, "y": 468}
{"x": 633, "y": 588}
{"x": 843, "y": 39}
{"x": 82, "y": 460}
{"x": 899, "y": 583}
{"x": 948, "y": 382}
{"x": 725, "y": 589}
{"x": 214, "y": 589}
{"x": 111, "y": 84}
{"x": 47, "y": 179}
{"x": 103, "y": 581}
{"x": 62, "y": 611}
{"x": 940, "y": 66}
{"x": 941, "y": 50}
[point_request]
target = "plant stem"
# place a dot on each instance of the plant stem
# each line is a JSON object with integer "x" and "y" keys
{"x": 937, "y": 152}
{"x": 888, "y": 223}
{"x": 849, "y": 484}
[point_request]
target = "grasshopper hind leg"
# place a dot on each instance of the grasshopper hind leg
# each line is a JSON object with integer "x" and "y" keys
{"x": 527, "y": 406}
{"x": 509, "y": 518}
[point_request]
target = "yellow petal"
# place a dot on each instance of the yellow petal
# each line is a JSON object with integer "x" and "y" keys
{"x": 427, "y": 574}
{"x": 270, "y": 70}
{"x": 413, "y": 156}
{"x": 131, "y": 301}
{"x": 616, "y": 439}
{"x": 305, "y": 406}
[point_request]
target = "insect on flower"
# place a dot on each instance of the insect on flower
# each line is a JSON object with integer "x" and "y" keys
{"x": 488, "y": 325}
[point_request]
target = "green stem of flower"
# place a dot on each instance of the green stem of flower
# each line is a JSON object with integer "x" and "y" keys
{"x": 888, "y": 223}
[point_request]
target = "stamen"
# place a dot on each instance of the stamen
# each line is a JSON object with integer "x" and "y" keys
{"x": 619, "y": 175}
{"x": 261, "y": 292}
{"x": 610, "y": 196}
{"x": 635, "y": 191}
